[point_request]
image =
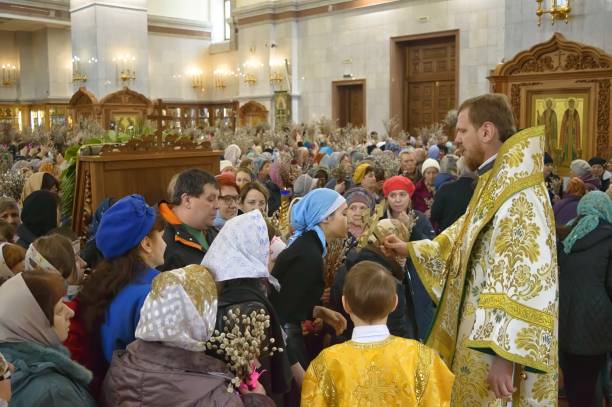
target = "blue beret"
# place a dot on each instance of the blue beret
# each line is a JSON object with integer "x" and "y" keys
{"x": 124, "y": 225}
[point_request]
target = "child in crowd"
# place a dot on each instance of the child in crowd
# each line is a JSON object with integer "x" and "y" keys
{"x": 375, "y": 368}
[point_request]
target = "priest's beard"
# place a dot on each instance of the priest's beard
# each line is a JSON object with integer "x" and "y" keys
{"x": 473, "y": 158}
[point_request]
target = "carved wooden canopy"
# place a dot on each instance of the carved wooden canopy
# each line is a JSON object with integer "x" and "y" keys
{"x": 83, "y": 97}
{"x": 126, "y": 96}
{"x": 555, "y": 55}
{"x": 253, "y": 113}
{"x": 561, "y": 66}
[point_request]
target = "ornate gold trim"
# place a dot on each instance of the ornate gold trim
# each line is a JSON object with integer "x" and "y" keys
{"x": 422, "y": 372}
{"x": 517, "y": 310}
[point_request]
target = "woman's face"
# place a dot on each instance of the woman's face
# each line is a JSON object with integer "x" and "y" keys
{"x": 355, "y": 213}
{"x": 337, "y": 225}
{"x": 399, "y": 201}
{"x": 429, "y": 175}
{"x": 242, "y": 178}
{"x": 154, "y": 247}
{"x": 369, "y": 181}
{"x": 255, "y": 200}
{"x": 61, "y": 320}
{"x": 346, "y": 163}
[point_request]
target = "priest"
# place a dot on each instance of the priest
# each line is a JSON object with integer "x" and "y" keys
{"x": 493, "y": 273}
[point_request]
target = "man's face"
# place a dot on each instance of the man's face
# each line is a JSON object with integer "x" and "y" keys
{"x": 408, "y": 163}
{"x": 597, "y": 170}
{"x": 11, "y": 216}
{"x": 468, "y": 140}
{"x": 228, "y": 202}
{"x": 204, "y": 207}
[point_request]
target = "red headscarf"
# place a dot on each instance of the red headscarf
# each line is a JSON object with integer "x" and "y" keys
{"x": 398, "y": 183}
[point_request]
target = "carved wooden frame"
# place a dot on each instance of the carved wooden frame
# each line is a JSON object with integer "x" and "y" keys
{"x": 555, "y": 64}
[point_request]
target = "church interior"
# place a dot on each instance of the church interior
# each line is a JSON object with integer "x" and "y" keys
{"x": 136, "y": 91}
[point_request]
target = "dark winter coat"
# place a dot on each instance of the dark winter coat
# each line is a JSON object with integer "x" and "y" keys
{"x": 585, "y": 290}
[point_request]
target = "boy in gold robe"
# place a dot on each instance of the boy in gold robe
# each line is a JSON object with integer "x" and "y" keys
{"x": 375, "y": 368}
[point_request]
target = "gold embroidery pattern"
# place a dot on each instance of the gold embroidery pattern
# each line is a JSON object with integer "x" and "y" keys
{"x": 326, "y": 383}
{"x": 373, "y": 388}
{"x": 517, "y": 310}
{"x": 421, "y": 376}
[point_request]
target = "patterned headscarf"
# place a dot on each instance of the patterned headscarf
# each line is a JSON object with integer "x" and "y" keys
{"x": 34, "y": 259}
{"x": 232, "y": 153}
{"x": 241, "y": 249}
{"x": 180, "y": 310}
{"x": 592, "y": 208}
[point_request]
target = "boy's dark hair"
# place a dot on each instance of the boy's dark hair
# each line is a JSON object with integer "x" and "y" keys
{"x": 370, "y": 291}
{"x": 192, "y": 182}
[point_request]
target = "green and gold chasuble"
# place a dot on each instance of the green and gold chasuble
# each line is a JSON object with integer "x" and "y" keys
{"x": 493, "y": 275}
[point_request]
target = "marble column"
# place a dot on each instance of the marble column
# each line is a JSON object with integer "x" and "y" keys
{"x": 109, "y": 37}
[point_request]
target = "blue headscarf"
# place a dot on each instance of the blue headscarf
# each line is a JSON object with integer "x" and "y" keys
{"x": 311, "y": 210}
{"x": 592, "y": 208}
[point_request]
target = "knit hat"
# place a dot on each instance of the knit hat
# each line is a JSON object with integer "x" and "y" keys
{"x": 434, "y": 152}
{"x": 124, "y": 225}
{"x": 398, "y": 183}
{"x": 359, "y": 194}
{"x": 580, "y": 167}
{"x": 430, "y": 163}
{"x": 597, "y": 161}
{"x": 360, "y": 172}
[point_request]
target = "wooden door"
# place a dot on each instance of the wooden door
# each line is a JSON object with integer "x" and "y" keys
{"x": 429, "y": 81}
{"x": 348, "y": 103}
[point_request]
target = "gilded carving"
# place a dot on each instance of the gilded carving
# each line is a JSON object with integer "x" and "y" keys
{"x": 603, "y": 113}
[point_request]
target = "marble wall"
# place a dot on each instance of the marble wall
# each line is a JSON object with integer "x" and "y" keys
{"x": 590, "y": 23}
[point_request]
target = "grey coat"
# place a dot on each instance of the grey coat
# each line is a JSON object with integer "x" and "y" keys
{"x": 153, "y": 374}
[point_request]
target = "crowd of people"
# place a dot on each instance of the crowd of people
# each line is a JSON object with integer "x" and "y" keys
{"x": 303, "y": 275}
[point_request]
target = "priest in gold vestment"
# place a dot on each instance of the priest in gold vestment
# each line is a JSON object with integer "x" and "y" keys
{"x": 493, "y": 273}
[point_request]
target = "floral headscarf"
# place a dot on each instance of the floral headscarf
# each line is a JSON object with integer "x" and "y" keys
{"x": 180, "y": 310}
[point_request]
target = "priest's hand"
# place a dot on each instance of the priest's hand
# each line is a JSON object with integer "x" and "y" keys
{"x": 500, "y": 378}
{"x": 331, "y": 318}
{"x": 394, "y": 243}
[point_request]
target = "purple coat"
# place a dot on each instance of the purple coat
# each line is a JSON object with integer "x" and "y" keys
{"x": 565, "y": 209}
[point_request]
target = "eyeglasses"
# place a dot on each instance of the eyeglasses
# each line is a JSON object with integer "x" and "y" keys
{"x": 229, "y": 199}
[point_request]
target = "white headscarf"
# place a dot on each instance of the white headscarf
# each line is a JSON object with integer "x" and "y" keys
{"x": 180, "y": 310}
{"x": 241, "y": 249}
{"x": 21, "y": 318}
{"x": 34, "y": 259}
{"x": 232, "y": 153}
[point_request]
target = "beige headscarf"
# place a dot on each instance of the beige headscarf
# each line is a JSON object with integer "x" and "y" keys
{"x": 21, "y": 319}
{"x": 32, "y": 184}
{"x": 181, "y": 309}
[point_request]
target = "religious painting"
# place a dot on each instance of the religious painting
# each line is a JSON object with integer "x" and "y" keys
{"x": 564, "y": 116}
{"x": 282, "y": 109}
{"x": 124, "y": 122}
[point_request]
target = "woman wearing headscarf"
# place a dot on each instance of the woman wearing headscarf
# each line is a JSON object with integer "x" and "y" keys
{"x": 566, "y": 209}
{"x": 39, "y": 181}
{"x": 316, "y": 218}
{"x": 130, "y": 237}
{"x": 238, "y": 259}
{"x": 167, "y": 364}
{"x": 303, "y": 185}
{"x": 398, "y": 191}
{"x": 232, "y": 154}
{"x": 424, "y": 192}
{"x": 582, "y": 169}
{"x": 359, "y": 203}
{"x": 585, "y": 296}
{"x": 39, "y": 216}
{"x": 401, "y": 322}
{"x": 31, "y": 340}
